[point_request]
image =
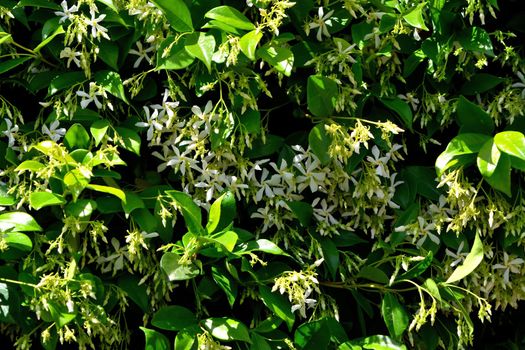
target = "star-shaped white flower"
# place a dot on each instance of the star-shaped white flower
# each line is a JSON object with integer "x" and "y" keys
{"x": 321, "y": 22}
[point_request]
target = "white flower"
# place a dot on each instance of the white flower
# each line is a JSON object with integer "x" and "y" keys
{"x": 87, "y": 98}
{"x": 10, "y": 132}
{"x": 142, "y": 53}
{"x": 509, "y": 265}
{"x": 166, "y": 107}
{"x": 324, "y": 214}
{"x": 270, "y": 187}
{"x": 459, "y": 256}
{"x": 425, "y": 229}
{"x": 96, "y": 29}
{"x": 66, "y": 13}
{"x": 309, "y": 177}
{"x": 322, "y": 22}
{"x": 151, "y": 123}
{"x": 410, "y": 98}
{"x": 54, "y": 133}
{"x": 71, "y": 56}
{"x": 379, "y": 162}
{"x": 521, "y": 84}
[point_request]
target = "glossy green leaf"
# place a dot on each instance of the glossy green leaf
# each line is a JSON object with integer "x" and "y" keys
{"x": 201, "y": 46}
{"x": 112, "y": 83}
{"x": 132, "y": 202}
{"x": 75, "y": 181}
{"x": 320, "y": 142}
{"x": 190, "y": 211}
{"x": 230, "y": 16}
{"x": 374, "y": 342}
{"x": 169, "y": 263}
{"x": 18, "y": 241}
{"x": 47, "y": 39}
{"x": 65, "y": 80}
{"x": 463, "y": 144}
{"x": 249, "y": 42}
{"x": 81, "y": 208}
{"x": 488, "y": 158}
{"x": 473, "y": 119}
{"x": 321, "y": 93}
{"x": 227, "y": 329}
{"x": 419, "y": 268}
{"x": 155, "y": 340}
{"x": 470, "y": 263}
{"x": 130, "y": 140}
{"x": 401, "y": 108}
{"x": 278, "y": 304}
{"x": 222, "y": 213}
{"x": 5, "y": 198}
{"x": 173, "y": 318}
{"x": 373, "y": 274}
{"x": 262, "y": 245}
{"x": 12, "y": 63}
{"x": 38, "y": 200}
{"x": 18, "y": 221}
{"x": 303, "y": 211}
{"x": 135, "y": 291}
{"x": 31, "y": 165}
{"x": 225, "y": 282}
{"x": 173, "y": 55}
{"x": 476, "y": 39}
{"x": 415, "y": 17}
{"x": 60, "y": 314}
{"x": 108, "y": 189}
{"x": 177, "y": 13}
{"x": 312, "y": 335}
{"x": 99, "y": 129}
{"x": 76, "y": 137}
{"x": 480, "y": 83}
{"x": 109, "y": 53}
{"x": 511, "y": 143}
{"x": 500, "y": 178}
{"x": 226, "y": 238}
{"x": 279, "y": 57}
{"x": 394, "y": 315}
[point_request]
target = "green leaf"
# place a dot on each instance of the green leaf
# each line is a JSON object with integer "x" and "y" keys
{"x": 222, "y": 213}
{"x": 39, "y": 200}
{"x": 18, "y": 240}
{"x": 420, "y": 267}
{"x": 176, "y": 56}
{"x": 5, "y": 198}
{"x": 488, "y": 158}
{"x": 76, "y": 137}
{"x": 394, "y": 315}
{"x": 511, "y": 143}
{"x": 64, "y": 81}
{"x": 82, "y": 208}
{"x": 415, "y": 17}
{"x": 18, "y": 221}
{"x": 476, "y": 39}
{"x": 135, "y": 291}
{"x": 112, "y": 83}
{"x": 190, "y": 211}
{"x": 39, "y": 3}
{"x": 262, "y": 245}
{"x": 320, "y": 142}
{"x": 48, "y": 38}
{"x": 259, "y": 343}
{"x": 201, "y": 46}
{"x": 173, "y": 318}
{"x": 331, "y": 255}
{"x": 12, "y": 63}
{"x": 373, "y": 274}
{"x": 500, "y": 178}
{"x": 412, "y": 62}
{"x": 227, "y": 329}
{"x": 249, "y": 42}
{"x": 471, "y": 118}
{"x": 260, "y": 149}
{"x": 177, "y": 13}
{"x": 31, "y": 165}
{"x": 312, "y": 335}
{"x": 185, "y": 339}
{"x": 303, "y": 211}
{"x": 401, "y": 108}
{"x": 278, "y": 304}
{"x": 480, "y": 83}
{"x": 227, "y": 239}
{"x": 99, "y": 129}
{"x": 155, "y": 340}
{"x": 169, "y": 263}
{"x": 225, "y": 282}
{"x": 230, "y": 16}
{"x": 375, "y": 342}
{"x": 60, "y": 314}
{"x": 132, "y": 202}
{"x": 107, "y": 189}
{"x": 130, "y": 139}
{"x": 462, "y": 145}
{"x": 279, "y": 57}
{"x": 470, "y": 263}
{"x": 108, "y": 53}
{"x": 321, "y": 95}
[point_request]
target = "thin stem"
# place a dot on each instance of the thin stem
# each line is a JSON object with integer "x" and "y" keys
{"x": 7, "y": 280}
